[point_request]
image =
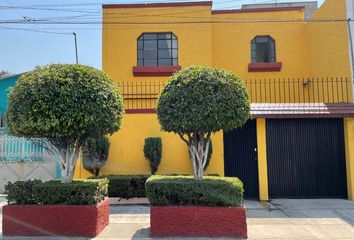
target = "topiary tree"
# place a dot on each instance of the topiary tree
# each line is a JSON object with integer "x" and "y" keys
{"x": 95, "y": 154}
{"x": 153, "y": 152}
{"x": 199, "y": 101}
{"x": 64, "y": 104}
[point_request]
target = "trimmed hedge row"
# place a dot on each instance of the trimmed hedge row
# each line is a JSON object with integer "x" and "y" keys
{"x": 79, "y": 192}
{"x": 125, "y": 186}
{"x": 184, "y": 190}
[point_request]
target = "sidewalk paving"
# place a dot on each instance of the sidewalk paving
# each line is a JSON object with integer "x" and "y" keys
{"x": 278, "y": 219}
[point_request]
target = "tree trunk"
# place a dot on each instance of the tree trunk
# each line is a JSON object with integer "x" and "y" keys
{"x": 198, "y": 146}
{"x": 69, "y": 157}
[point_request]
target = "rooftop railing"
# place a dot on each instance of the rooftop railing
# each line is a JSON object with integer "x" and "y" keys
{"x": 143, "y": 94}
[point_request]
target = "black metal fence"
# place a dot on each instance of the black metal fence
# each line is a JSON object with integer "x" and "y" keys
{"x": 143, "y": 94}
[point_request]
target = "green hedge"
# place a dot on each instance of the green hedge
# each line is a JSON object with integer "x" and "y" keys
{"x": 184, "y": 190}
{"x": 126, "y": 186}
{"x": 80, "y": 192}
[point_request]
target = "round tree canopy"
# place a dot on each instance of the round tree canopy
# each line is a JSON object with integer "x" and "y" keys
{"x": 202, "y": 99}
{"x": 64, "y": 101}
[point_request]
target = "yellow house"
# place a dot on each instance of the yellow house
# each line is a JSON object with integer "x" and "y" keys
{"x": 297, "y": 68}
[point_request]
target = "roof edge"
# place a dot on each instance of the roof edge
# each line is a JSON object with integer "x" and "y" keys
{"x": 250, "y": 10}
{"x": 148, "y": 5}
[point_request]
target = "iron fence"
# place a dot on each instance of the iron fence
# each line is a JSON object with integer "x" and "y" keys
{"x": 143, "y": 95}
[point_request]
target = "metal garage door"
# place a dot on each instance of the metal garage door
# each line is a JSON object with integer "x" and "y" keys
{"x": 306, "y": 158}
{"x": 240, "y": 157}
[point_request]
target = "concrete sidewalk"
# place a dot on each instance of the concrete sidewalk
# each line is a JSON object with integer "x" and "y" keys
{"x": 279, "y": 219}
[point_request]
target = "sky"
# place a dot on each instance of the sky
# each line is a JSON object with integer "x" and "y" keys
{"x": 21, "y": 50}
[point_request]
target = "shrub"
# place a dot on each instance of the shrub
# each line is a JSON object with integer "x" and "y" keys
{"x": 95, "y": 154}
{"x": 20, "y": 192}
{"x": 64, "y": 104}
{"x": 198, "y": 101}
{"x": 81, "y": 192}
{"x": 153, "y": 152}
{"x": 125, "y": 186}
{"x": 184, "y": 190}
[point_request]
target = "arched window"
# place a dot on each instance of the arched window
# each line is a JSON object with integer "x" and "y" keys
{"x": 263, "y": 50}
{"x": 157, "y": 49}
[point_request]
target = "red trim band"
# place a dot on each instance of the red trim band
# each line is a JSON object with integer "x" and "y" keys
{"x": 155, "y": 71}
{"x": 147, "y": 5}
{"x": 265, "y": 67}
{"x": 250, "y": 10}
{"x": 142, "y": 111}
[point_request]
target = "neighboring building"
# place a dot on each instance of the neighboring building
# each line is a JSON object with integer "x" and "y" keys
{"x": 20, "y": 159}
{"x": 300, "y": 142}
{"x": 309, "y": 7}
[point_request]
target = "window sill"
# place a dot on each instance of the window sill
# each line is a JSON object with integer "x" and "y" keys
{"x": 265, "y": 67}
{"x": 140, "y": 71}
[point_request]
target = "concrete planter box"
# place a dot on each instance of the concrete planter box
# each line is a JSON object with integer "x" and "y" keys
{"x": 55, "y": 220}
{"x": 198, "y": 221}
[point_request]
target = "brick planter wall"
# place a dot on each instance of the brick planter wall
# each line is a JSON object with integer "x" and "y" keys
{"x": 55, "y": 220}
{"x": 195, "y": 221}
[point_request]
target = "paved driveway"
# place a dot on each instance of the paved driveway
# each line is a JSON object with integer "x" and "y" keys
{"x": 279, "y": 219}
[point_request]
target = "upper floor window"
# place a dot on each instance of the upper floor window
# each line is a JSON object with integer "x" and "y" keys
{"x": 157, "y": 49}
{"x": 263, "y": 50}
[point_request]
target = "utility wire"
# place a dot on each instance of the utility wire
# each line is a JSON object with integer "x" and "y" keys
{"x": 18, "y": 11}
{"x": 36, "y": 30}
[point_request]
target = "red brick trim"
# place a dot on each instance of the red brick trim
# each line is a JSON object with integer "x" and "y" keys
{"x": 251, "y": 10}
{"x": 140, "y": 71}
{"x": 148, "y": 5}
{"x": 198, "y": 221}
{"x": 55, "y": 220}
{"x": 265, "y": 67}
{"x": 141, "y": 111}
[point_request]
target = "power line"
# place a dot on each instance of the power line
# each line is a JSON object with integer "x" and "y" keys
{"x": 35, "y": 30}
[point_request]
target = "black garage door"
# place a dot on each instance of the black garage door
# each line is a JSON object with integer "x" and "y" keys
{"x": 240, "y": 157}
{"x": 306, "y": 158}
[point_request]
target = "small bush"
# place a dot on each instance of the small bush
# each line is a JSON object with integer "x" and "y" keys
{"x": 153, "y": 152}
{"x": 184, "y": 190}
{"x": 126, "y": 186}
{"x": 95, "y": 154}
{"x": 20, "y": 192}
{"x": 82, "y": 192}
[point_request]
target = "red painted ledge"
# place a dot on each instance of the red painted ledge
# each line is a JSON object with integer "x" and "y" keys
{"x": 140, "y": 71}
{"x": 265, "y": 67}
{"x": 147, "y": 5}
{"x": 140, "y": 111}
{"x": 198, "y": 221}
{"x": 55, "y": 220}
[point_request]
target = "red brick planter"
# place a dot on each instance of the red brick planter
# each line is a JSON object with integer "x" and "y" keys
{"x": 55, "y": 220}
{"x": 194, "y": 221}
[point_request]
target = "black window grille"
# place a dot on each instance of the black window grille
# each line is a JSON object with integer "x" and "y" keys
{"x": 263, "y": 49}
{"x": 157, "y": 49}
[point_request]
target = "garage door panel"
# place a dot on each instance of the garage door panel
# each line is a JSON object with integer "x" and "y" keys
{"x": 306, "y": 158}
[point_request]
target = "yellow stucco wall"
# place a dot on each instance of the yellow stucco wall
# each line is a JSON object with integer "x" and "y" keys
{"x": 349, "y": 154}
{"x": 262, "y": 159}
{"x": 306, "y": 49}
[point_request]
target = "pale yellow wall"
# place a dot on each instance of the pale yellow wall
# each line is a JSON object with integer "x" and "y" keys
{"x": 349, "y": 155}
{"x": 262, "y": 159}
{"x": 126, "y": 154}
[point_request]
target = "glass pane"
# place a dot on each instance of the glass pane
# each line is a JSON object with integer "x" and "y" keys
{"x": 150, "y": 54}
{"x": 150, "y": 62}
{"x": 140, "y": 44}
{"x": 174, "y": 44}
{"x": 165, "y": 62}
{"x": 253, "y": 47}
{"x": 150, "y": 36}
{"x": 165, "y": 53}
{"x": 164, "y": 44}
{"x": 164, "y": 35}
{"x": 262, "y": 39}
{"x": 140, "y": 53}
{"x": 140, "y": 62}
{"x": 174, "y": 53}
{"x": 174, "y": 62}
{"x": 262, "y": 52}
{"x": 174, "y": 37}
{"x": 150, "y": 44}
